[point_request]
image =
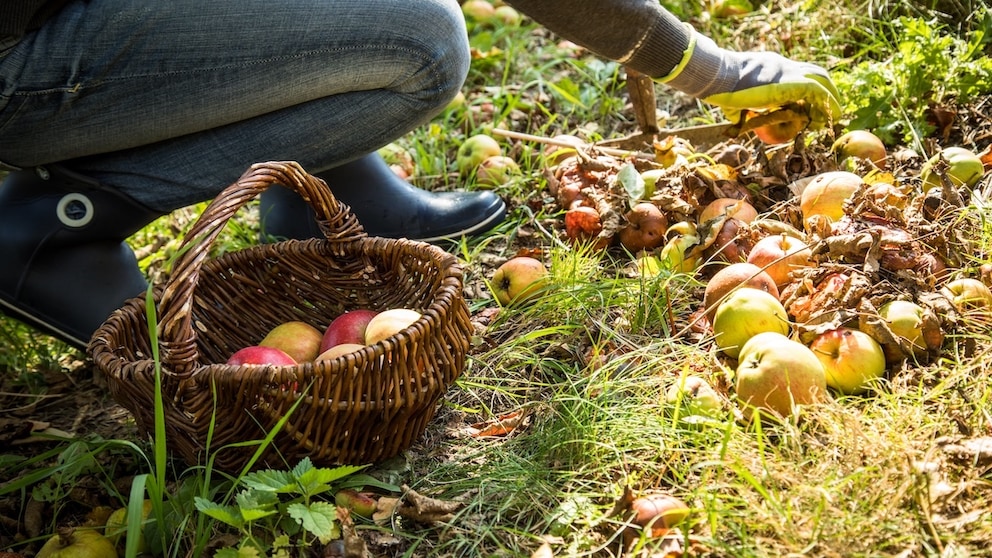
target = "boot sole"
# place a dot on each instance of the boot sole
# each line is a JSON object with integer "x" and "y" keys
{"x": 482, "y": 226}
{"x": 13, "y": 311}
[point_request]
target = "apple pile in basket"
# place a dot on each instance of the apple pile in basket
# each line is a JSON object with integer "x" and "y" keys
{"x": 295, "y": 342}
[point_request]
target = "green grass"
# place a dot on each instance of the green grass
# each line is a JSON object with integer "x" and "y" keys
{"x": 589, "y": 361}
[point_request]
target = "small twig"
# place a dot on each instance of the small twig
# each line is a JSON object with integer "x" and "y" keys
{"x": 563, "y": 143}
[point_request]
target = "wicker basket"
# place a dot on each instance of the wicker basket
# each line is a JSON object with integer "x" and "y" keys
{"x": 361, "y": 408}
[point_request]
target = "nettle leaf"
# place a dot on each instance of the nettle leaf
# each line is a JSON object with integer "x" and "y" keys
{"x": 271, "y": 481}
{"x": 225, "y": 514}
{"x": 632, "y": 182}
{"x": 316, "y": 481}
{"x": 255, "y": 504}
{"x": 319, "y": 519}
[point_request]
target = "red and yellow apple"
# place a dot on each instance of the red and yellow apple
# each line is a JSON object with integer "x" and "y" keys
{"x": 779, "y": 255}
{"x": 778, "y": 375}
{"x": 338, "y": 350}
{"x": 781, "y": 132}
{"x": 728, "y": 207}
{"x": 851, "y": 359}
{"x": 745, "y": 313}
{"x": 388, "y": 323}
{"x": 299, "y": 340}
{"x": 518, "y": 279}
{"x": 658, "y": 513}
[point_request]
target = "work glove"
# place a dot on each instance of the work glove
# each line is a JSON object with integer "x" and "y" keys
{"x": 757, "y": 81}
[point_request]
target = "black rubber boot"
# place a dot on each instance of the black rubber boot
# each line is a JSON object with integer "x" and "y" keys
{"x": 64, "y": 265}
{"x": 385, "y": 205}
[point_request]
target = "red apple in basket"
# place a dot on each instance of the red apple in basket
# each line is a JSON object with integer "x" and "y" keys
{"x": 256, "y": 354}
{"x": 347, "y": 328}
{"x": 297, "y": 339}
{"x": 388, "y": 323}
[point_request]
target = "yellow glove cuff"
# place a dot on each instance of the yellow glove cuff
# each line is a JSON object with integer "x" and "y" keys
{"x": 686, "y": 55}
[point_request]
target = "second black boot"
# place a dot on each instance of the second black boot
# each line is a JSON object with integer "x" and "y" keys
{"x": 64, "y": 265}
{"x": 385, "y": 204}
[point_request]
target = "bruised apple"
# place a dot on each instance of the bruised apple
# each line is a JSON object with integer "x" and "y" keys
{"x": 258, "y": 355}
{"x": 348, "y": 327}
{"x": 826, "y": 194}
{"x": 299, "y": 340}
{"x": 645, "y": 229}
{"x": 518, "y": 279}
{"x": 728, "y": 207}
{"x": 851, "y": 359}
{"x": 778, "y": 375}
{"x": 745, "y": 313}
{"x": 779, "y": 255}
{"x": 658, "y": 513}
{"x": 731, "y": 277}
{"x": 388, "y": 323}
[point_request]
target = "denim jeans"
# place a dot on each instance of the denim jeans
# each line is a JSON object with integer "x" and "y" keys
{"x": 170, "y": 101}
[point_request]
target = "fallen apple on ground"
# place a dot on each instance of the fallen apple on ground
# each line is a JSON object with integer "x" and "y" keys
{"x": 259, "y": 355}
{"x": 728, "y": 207}
{"x": 968, "y": 294}
{"x": 826, "y": 194}
{"x": 964, "y": 168}
{"x": 116, "y": 526}
{"x": 518, "y": 279}
{"x": 645, "y": 229}
{"x": 476, "y": 149}
{"x": 696, "y": 396}
{"x": 388, "y": 323}
{"x": 658, "y": 513}
{"x": 299, "y": 340}
{"x": 496, "y": 170}
{"x": 731, "y": 277}
{"x": 779, "y": 255}
{"x": 778, "y": 375}
{"x": 852, "y": 360}
{"x": 905, "y": 319}
{"x": 860, "y": 144}
{"x": 348, "y": 327}
{"x": 77, "y": 543}
{"x": 745, "y": 313}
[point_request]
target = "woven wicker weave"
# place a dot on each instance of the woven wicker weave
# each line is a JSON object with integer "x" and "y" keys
{"x": 361, "y": 408}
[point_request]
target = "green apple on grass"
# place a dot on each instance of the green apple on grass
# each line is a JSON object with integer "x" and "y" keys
{"x": 745, "y": 313}
{"x": 778, "y": 375}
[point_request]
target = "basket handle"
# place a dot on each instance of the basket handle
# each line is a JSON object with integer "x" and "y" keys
{"x": 177, "y": 337}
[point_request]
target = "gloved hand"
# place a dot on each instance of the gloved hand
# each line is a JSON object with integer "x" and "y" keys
{"x": 769, "y": 81}
{"x": 737, "y": 81}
